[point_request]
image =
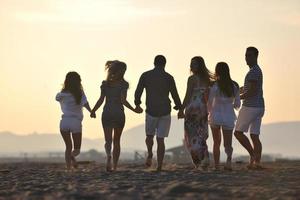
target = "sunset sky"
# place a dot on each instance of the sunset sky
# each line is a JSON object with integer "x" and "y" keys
{"x": 41, "y": 40}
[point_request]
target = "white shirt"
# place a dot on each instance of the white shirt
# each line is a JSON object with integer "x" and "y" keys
{"x": 221, "y": 108}
{"x": 68, "y": 105}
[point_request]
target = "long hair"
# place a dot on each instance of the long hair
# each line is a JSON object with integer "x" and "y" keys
{"x": 73, "y": 85}
{"x": 199, "y": 68}
{"x": 224, "y": 81}
{"x": 115, "y": 70}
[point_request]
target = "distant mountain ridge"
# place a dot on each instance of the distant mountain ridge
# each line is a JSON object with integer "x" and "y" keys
{"x": 277, "y": 138}
{"x": 13, "y": 143}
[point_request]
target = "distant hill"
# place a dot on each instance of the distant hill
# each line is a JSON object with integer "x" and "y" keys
{"x": 277, "y": 138}
{"x": 13, "y": 143}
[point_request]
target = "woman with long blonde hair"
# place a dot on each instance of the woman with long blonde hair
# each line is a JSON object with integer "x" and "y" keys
{"x": 114, "y": 92}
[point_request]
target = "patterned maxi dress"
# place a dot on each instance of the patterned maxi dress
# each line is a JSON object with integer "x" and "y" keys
{"x": 196, "y": 125}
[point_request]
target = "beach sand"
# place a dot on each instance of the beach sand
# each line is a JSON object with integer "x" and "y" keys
{"x": 279, "y": 180}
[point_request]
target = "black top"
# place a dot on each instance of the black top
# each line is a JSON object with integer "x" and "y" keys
{"x": 158, "y": 85}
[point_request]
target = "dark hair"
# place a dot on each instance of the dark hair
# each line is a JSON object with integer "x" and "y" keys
{"x": 254, "y": 50}
{"x": 73, "y": 85}
{"x": 199, "y": 68}
{"x": 115, "y": 70}
{"x": 225, "y": 83}
{"x": 159, "y": 61}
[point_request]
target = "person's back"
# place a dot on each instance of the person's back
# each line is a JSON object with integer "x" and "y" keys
{"x": 221, "y": 107}
{"x": 69, "y": 106}
{"x": 199, "y": 88}
{"x": 72, "y": 99}
{"x": 113, "y": 94}
{"x": 158, "y": 85}
{"x": 257, "y": 100}
{"x": 194, "y": 112}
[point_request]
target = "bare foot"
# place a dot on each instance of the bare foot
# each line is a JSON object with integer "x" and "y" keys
{"x": 148, "y": 162}
{"x": 217, "y": 168}
{"x": 74, "y": 162}
{"x": 68, "y": 169}
{"x": 205, "y": 163}
{"x": 258, "y": 166}
{"x": 158, "y": 169}
{"x": 251, "y": 162}
{"x": 196, "y": 165}
{"x": 115, "y": 167}
{"x": 228, "y": 166}
{"x": 108, "y": 164}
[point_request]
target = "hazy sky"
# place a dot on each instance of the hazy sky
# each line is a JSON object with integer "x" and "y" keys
{"x": 41, "y": 40}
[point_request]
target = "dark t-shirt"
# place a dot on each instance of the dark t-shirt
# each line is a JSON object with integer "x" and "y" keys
{"x": 158, "y": 85}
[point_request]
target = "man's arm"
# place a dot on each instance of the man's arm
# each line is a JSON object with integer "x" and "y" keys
{"x": 175, "y": 95}
{"x": 139, "y": 91}
{"x": 252, "y": 91}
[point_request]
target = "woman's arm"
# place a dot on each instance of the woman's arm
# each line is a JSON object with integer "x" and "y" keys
{"x": 211, "y": 96}
{"x": 237, "y": 100}
{"x": 187, "y": 98}
{"x": 252, "y": 91}
{"x": 87, "y": 106}
{"x": 128, "y": 105}
{"x": 98, "y": 104}
{"x": 188, "y": 93}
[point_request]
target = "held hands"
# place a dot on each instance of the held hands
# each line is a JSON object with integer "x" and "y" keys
{"x": 241, "y": 90}
{"x": 180, "y": 114}
{"x": 138, "y": 109}
{"x": 93, "y": 114}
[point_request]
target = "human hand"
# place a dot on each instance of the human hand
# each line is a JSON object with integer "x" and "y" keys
{"x": 93, "y": 114}
{"x": 138, "y": 109}
{"x": 180, "y": 114}
{"x": 241, "y": 89}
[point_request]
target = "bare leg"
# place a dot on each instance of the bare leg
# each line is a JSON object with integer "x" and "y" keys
{"x": 257, "y": 147}
{"x": 205, "y": 161}
{"x": 244, "y": 141}
{"x": 227, "y": 136}
{"x": 68, "y": 142}
{"x": 216, "y": 133}
{"x": 149, "y": 143}
{"x": 77, "y": 137}
{"x": 117, "y": 148}
{"x": 108, "y": 143}
{"x": 160, "y": 152}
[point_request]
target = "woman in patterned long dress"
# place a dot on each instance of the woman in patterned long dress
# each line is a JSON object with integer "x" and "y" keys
{"x": 195, "y": 115}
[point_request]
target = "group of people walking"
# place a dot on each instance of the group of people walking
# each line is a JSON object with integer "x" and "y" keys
{"x": 210, "y": 99}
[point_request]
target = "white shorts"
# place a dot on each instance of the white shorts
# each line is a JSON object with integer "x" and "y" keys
{"x": 70, "y": 124}
{"x": 249, "y": 119}
{"x": 159, "y": 126}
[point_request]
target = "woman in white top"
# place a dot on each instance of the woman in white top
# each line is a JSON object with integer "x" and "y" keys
{"x": 72, "y": 99}
{"x": 224, "y": 97}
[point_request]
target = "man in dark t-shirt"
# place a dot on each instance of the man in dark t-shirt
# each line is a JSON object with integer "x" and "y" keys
{"x": 158, "y": 84}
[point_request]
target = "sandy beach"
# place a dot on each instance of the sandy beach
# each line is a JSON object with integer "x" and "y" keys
{"x": 280, "y": 180}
